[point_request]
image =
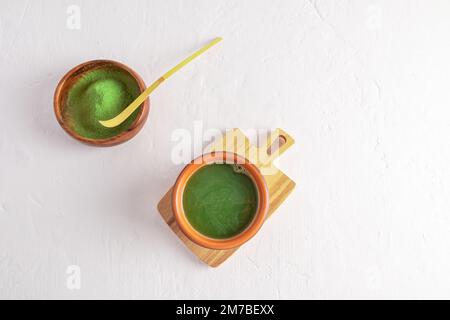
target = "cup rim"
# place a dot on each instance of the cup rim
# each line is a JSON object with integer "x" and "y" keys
{"x": 240, "y": 238}
{"x": 78, "y": 70}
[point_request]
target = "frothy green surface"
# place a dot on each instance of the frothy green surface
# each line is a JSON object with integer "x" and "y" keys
{"x": 100, "y": 95}
{"x": 220, "y": 202}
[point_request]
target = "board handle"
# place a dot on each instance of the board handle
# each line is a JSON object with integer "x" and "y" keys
{"x": 276, "y": 144}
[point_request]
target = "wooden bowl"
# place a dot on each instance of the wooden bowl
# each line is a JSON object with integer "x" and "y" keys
{"x": 71, "y": 77}
{"x": 260, "y": 215}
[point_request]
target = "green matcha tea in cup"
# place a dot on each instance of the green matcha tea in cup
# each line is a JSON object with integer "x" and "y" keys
{"x": 220, "y": 200}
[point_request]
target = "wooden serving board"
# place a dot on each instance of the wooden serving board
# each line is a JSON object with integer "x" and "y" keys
{"x": 278, "y": 183}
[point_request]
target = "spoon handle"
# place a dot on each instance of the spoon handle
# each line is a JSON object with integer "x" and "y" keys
{"x": 121, "y": 117}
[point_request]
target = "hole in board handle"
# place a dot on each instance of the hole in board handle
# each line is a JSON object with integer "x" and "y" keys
{"x": 276, "y": 144}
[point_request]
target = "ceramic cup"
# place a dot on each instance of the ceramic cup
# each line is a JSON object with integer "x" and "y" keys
{"x": 71, "y": 77}
{"x": 258, "y": 219}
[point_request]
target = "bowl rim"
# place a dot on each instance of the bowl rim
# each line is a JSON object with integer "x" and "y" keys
{"x": 78, "y": 70}
{"x": 254, "y": 226}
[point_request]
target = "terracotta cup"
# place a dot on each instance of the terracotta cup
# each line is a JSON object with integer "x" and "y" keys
{"x": 261, "y": 212}
{"x": 71, "y": 77}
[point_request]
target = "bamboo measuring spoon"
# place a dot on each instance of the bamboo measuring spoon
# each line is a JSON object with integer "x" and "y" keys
{"x": 121, "y": 117}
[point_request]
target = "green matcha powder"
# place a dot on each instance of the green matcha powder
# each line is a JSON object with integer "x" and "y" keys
{"x": 100, "y": 95}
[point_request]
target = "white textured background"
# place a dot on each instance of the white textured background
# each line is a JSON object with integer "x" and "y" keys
{"x": 363, "y": 86}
